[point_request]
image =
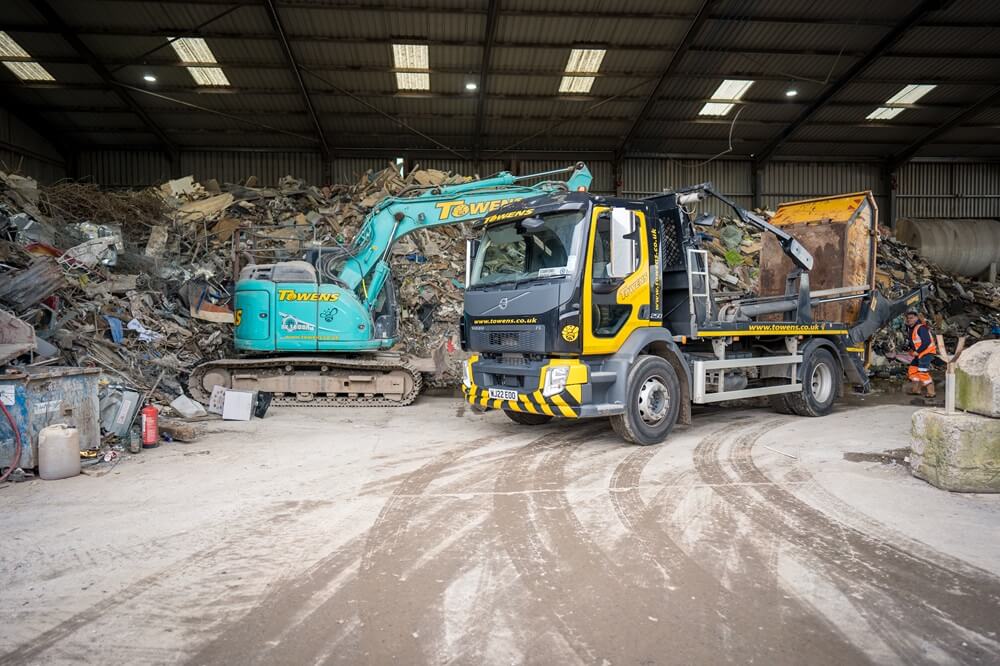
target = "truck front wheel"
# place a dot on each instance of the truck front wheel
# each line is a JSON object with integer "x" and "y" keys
{"x": 522, "y": 418}
{"x": 652, "y": 402}
{"x": 820, "y": 376}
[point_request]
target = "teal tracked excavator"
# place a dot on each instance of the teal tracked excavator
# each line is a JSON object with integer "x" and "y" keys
{"x": 318, "y": 330}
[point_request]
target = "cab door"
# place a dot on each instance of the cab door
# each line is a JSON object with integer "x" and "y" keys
{"x": 616, "y": 280}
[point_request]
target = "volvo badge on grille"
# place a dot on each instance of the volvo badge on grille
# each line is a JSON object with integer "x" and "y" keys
{"x": 504, "y": 302}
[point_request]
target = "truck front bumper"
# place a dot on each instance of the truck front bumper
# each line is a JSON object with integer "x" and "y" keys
{"x": 574, "y": 400}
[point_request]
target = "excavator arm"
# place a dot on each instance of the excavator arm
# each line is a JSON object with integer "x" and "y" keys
{"x": 367, "y": 263}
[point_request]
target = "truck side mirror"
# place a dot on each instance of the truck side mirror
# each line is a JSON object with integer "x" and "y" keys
{"x": 623, "y": 245}
{"x": 471, "y": 248}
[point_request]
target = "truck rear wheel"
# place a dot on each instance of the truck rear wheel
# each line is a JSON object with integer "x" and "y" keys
{"x": 521, "y": 418}
{"x": 652, "y": 402}
{"x": 820, "y": 375}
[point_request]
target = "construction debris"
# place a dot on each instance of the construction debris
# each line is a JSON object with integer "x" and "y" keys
{"x": 140, "y": 283}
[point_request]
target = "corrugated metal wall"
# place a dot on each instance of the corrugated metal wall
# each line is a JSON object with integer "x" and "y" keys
{"x": 137, "y": 168}
{"x": 24, "y": 151}
{"x": 948, "y": 189}
{"x": 645, "y": 176}
{"x": 234, "y": 167}
{"x": 788, "y": 181}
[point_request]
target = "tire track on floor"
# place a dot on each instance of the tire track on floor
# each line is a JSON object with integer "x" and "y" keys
{"x": 918, "y": 598}
{"x": 606, "y": 605}
{"x": 417, "y": 546}
{"x": 751, "y": 597}
{"x": 296, "y": 623}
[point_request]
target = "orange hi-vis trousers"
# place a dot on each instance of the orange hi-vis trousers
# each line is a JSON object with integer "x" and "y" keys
{"x": 915, "y": 374}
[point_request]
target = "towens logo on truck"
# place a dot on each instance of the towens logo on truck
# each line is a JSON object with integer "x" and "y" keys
{"x": 458, "y": 209}
{"x": 292, "y": 295}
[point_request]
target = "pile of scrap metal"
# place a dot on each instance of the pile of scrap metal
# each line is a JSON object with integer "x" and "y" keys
{"x": 138, "y": 283}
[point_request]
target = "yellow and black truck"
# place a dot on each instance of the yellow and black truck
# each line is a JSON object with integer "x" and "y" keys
{"x": 584, "y": 306}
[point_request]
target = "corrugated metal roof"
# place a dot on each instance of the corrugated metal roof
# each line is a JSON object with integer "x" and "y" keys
{"x": 779, "y": 44}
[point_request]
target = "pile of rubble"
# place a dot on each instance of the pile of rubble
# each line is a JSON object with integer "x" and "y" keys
{"x": 140, "y": 283}
{"x": 734, "y": 255}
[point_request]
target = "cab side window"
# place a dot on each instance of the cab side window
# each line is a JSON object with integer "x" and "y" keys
{"x": 607, "y": 315}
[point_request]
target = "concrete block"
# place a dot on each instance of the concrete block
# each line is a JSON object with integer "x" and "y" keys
{"x": 958, "y": 452}
{"x": 977, "y": 379}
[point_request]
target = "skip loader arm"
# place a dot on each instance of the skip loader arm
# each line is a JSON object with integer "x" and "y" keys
{"x": 879, "y": 311}
{"x": 795, "y": 251}
{"x": 423, "y": 208}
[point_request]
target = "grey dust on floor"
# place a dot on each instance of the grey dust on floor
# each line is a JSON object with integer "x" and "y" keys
{"x": 436, "y": 534}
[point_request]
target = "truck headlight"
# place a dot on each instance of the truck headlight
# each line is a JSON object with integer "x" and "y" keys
{"x": 555, "y": 380}
{"x": 466, "y": 375}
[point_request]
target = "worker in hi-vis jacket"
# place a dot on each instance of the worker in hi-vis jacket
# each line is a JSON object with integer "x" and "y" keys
{"x": 924, "y": 349}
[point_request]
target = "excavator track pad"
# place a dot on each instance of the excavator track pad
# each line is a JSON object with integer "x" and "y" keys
{"x": 373, "y": 380}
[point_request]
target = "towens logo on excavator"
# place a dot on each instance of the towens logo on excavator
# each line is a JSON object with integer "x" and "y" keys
{"x": 292, "y": 295}
{"x": 458, "y": 209}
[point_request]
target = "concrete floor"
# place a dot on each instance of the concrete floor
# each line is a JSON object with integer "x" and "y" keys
{"x": 434, "y": 534}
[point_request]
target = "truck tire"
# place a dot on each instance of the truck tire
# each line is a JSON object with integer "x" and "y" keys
{"x": 820, "y": 374}
{"x": 522, "y": 418}
{"x": 652, "y": 402}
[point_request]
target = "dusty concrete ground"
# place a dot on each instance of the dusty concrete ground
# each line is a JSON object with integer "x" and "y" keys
{"x": 433, "y": 534}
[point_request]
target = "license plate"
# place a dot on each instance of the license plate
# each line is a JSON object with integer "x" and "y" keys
{"x": 502, "y": 394}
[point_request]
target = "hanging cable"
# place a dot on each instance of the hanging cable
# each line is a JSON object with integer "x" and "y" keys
{"x": 379, "y": 111}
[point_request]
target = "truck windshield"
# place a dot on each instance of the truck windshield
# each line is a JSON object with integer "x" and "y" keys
{"x": 546, "y": 246}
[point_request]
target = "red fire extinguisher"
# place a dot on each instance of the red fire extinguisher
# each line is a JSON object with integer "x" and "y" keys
{"x": 150, "y": 428}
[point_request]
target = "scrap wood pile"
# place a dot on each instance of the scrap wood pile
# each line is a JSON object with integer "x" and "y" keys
{"x": 140, "y": 283}
{"x": 959, "y": 305}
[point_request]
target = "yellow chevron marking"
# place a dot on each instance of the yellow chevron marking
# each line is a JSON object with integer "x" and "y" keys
{"x": 563, "y": 407}
{"x": 537, "y": 395}
{"x": 512, "y": 405}
{"x": 576, "y": 391}
{"x": 527, "y": 404}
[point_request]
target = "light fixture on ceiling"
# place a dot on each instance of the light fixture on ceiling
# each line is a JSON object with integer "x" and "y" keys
{"x": 471, "y": 85}
{"x": 791, "y": 92}
{"x": 149, "y": 78}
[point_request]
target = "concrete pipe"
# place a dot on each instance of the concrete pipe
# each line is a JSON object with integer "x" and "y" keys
{"x": 965, "y": 247}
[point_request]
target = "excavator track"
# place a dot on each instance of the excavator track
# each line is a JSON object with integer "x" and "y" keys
{"x": 358, "y": 381}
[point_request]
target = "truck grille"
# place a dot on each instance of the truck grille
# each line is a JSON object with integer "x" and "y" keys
{"x": 530, "y": 340}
